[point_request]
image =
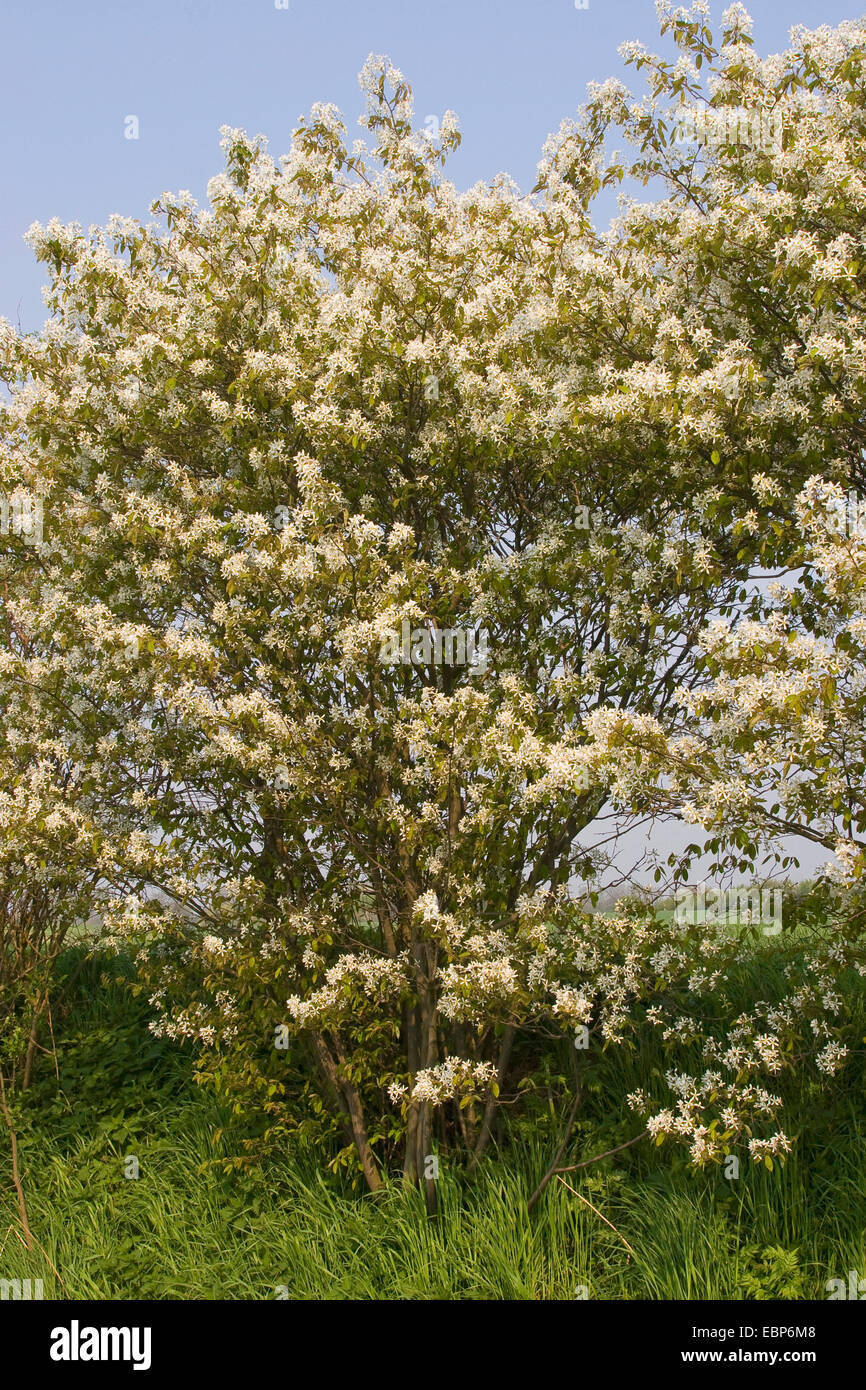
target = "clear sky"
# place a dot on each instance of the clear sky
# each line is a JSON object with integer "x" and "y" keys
{"x": 74, "y": 70}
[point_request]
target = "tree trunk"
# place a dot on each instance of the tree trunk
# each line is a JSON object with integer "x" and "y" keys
{"x": 410, "y": 1157}
{"x": 429, "y": 1056}
{"x": 492, "y": 1100}
{"x": 425, "y": 1132}
{"x": 351, "y": 1100}
{"x": 30, "y": 1058}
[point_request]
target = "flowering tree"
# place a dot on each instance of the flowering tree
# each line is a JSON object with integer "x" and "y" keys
{"x": 773, "y": 746}
{"x": 48, "y": 841}
{"x": 760, "y": 372}
{"x": 750, "y": 264}
{"x": 345, "y": 403}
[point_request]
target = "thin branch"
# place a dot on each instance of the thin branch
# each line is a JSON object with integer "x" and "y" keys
{"x": 598, "y": 1213}
{"x": 599, "y": 1157}
{"x": 16, "y": 1176}
{"x": 557, "y": 1156}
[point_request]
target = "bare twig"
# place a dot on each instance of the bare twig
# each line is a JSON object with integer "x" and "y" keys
{"x": 490, "y": 1107}
{"x": 597, "y": 1212}
{"x": 11, "y": 1231}
{"x": 557, "y": 1156}
{"x": 627, "y": 1145}
{"x": 16, "y": 1176}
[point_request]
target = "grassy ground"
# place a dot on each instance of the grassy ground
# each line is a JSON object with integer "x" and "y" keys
{"x": 186, "y": 1229}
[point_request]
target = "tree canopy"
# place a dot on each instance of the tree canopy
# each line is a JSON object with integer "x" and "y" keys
{"x": 348, "y": 396}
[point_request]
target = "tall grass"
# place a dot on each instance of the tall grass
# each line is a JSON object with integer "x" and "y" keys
{"x": 642, "y": 1227}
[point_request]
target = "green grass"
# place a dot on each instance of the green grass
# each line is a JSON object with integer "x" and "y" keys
{"x": 185, "y": 1229}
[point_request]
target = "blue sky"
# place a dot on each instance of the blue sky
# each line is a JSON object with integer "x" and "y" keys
{"x": 74, "y": 71}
